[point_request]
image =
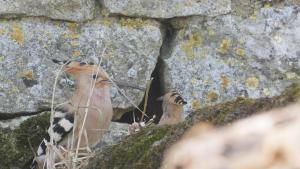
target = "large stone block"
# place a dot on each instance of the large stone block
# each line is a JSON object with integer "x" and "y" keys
{"x": 222, "y": 58}
{"x": 167, "y": 8}
{"x": 27, "y": 47}
{"x": 73, "y": 10}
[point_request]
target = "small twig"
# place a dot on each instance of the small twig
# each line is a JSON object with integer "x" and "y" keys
{"x": 58, "y": 153}
{"x": 122, "y": 93}
{"x": 151, "y": 121}
{"x": 50, "y": 154}
{"x": 148, "y": 85}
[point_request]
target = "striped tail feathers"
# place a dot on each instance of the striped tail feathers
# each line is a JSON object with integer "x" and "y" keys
{"x": 62, "y": 125}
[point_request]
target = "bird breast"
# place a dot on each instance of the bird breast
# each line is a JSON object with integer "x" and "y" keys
{"x": 98, "y": 118}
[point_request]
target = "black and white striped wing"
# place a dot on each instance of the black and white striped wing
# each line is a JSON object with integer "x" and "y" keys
{"x": 62, "y": 125}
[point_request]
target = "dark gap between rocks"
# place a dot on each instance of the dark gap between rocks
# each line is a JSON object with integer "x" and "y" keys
{"x": 154, "y": 107}
{"x": 157, "y": 87}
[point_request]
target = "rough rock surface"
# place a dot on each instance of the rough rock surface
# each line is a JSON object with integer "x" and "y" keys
{"x": 270, "y": 140}
{"x": 167, "y": 8}
{"x": 115, "y": 133}
{"x": 217, "y": 59}
{"x": 28, "y": 45}
{"x": 145, "y": 149}
{"x": 73, "y": 10}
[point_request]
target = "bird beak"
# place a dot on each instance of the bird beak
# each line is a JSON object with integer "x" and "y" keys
{"x": 59, "y": 62}
{"x": 107, "y": 81}
{"x": 128, "y": 85}
{"x": 184, "y": 102}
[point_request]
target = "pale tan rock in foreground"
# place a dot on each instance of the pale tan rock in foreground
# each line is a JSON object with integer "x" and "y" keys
{"x": 267, "y": 141}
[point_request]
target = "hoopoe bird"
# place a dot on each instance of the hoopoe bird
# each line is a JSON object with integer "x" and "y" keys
{"x": 95, "y": 101}
{"x": 172, "y": 106}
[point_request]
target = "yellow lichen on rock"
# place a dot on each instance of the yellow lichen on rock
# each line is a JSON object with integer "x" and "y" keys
{"x": 105, "y": 12}
{"x": 74, "y": 43}
{"x": 27, "y": 74}
{"x": 240, "y": 52}
{"x": 267, "y": 5}
{"x": 188, "y": 47}
{"x": 254, "y": 15}
{"x": 76, "y": 53}
{"x": 2, "y": 31}
{"x": 17, "y": 33}
{"x": 252, "y": 82}
{"x": 212, "y": 96}
{"x": 74, "y": 35}
{"x": 72, "y": 26}
{"x": 291, "y": 75}
{"x": 224, "y": 81}
{"x": 14, "y": 90}
{"x": 107, "y": 21}
{"x": 132, "y": 22}
{"x": 196, "y": 104}
{"x": 224, "y": 46}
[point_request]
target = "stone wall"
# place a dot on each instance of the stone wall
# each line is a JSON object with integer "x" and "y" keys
{"x": 213, "y": 51}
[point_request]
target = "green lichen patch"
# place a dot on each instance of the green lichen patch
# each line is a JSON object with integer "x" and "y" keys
{"x": 15, "y": 148}
{"x": 132, "y": 153}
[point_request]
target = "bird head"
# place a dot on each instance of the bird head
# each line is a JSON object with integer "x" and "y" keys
{"x": 174, "y": 98}
{"x": 85, "y": 72}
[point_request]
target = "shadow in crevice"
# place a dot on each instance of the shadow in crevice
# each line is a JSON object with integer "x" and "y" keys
{"x": 154, "y": 107}
{"x": 158, "y": 86}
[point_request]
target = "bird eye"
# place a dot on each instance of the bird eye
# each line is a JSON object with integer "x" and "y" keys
{"x": 94, "y": 76}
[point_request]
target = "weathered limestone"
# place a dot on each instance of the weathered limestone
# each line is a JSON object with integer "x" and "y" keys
{"x": 72, "y": 10}
{"x": 167, "y": 8}
{"x": 217, "y": 59}
{"x": 28, "y": 45}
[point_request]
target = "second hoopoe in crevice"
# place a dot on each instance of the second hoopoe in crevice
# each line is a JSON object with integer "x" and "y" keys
{"x": 95, "y": 101}
{"x": 172, "y": 106}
